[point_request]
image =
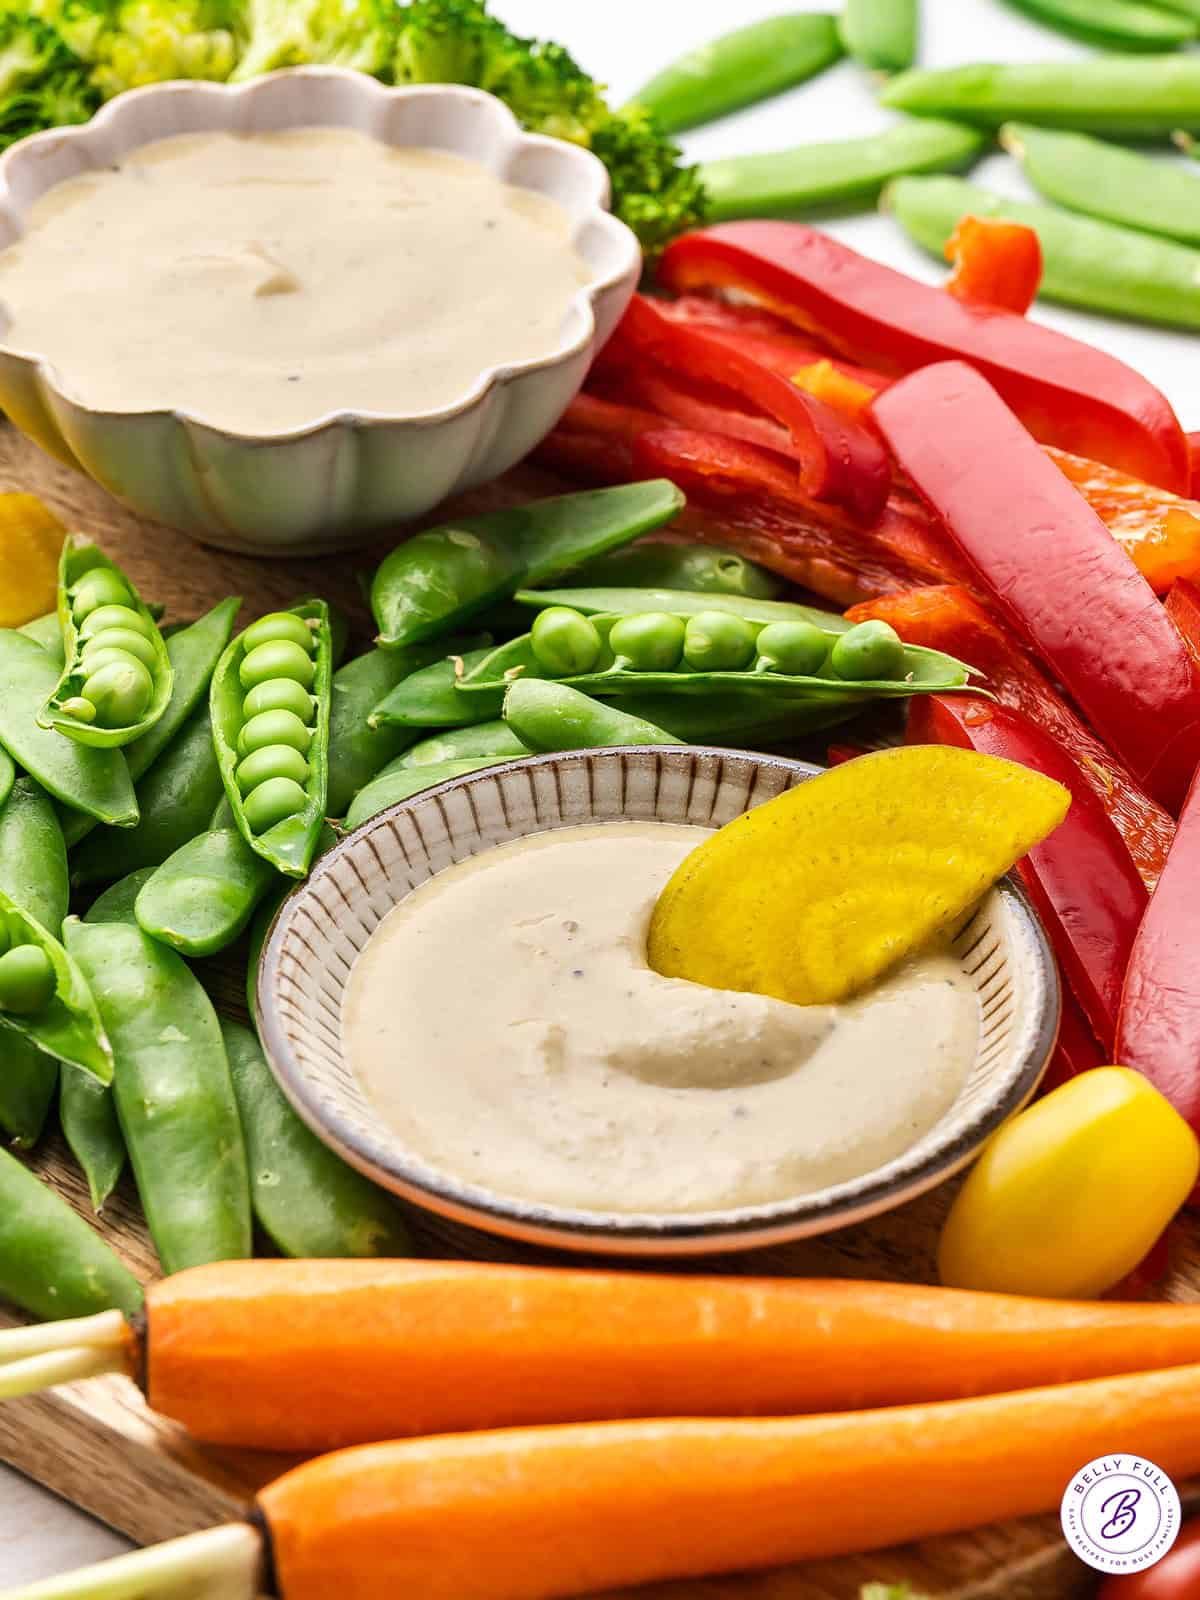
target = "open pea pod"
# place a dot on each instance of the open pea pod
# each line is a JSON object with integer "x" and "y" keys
{"x": 610, "y": 601}
{"x": 117, "y": 677}
{"x": 67, "y": 1024}
{"x": 269, "y": 705}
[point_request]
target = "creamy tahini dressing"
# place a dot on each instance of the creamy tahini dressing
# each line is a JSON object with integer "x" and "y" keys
{"x": 504, "y": 1022}
{"x": 263, "y": 280}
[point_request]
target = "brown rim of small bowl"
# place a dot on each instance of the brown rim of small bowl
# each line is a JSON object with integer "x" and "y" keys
{"x": 703, "y": 1233}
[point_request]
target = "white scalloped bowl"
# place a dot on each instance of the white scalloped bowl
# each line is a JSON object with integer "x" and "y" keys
{"x": 346, "y": 475}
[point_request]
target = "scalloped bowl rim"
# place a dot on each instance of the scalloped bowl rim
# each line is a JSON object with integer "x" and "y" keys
{"x": 582, "y": 306}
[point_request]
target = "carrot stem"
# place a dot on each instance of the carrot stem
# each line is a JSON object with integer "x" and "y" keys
{"x": 54, "y": 1367}
{"x": 108, "y": 1330}
{"x": 218, "y": 1564}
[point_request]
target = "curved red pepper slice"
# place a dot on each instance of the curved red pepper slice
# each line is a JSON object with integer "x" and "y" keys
{"x": 1082, "y": 878}
{"x": 839, "y": 460}
{"x": 951, "y": 619}
{"x": 1052, "y": 567}
{"x": 996, "y": 263}
{"x": 1066, "y": 392}
{"x": 1194, "y": 451}
{"x": 1077, "y": 1050}
{"x": 764, "y": 336}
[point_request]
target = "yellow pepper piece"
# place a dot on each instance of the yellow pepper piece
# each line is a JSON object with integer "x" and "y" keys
{"x": 815, "y": 894}
{"x": 1072, "y": 1194}
{"x": 828, "y": 383}
{"x": 31, "y": 538}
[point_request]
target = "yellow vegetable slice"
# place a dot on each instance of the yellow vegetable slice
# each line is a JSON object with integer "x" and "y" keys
{"x": 813, "y": 895}
{"x": 31, "y": 537}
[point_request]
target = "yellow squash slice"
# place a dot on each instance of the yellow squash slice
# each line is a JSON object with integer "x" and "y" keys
{"x": 815, "y": 894}
{"x": 31, "y": 537}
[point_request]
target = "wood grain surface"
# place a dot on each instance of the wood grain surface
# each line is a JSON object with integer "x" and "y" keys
{"x": 96, "y": 1443}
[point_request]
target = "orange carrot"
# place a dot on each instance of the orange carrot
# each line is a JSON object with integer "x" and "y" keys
{"x": 299, "y": 1355}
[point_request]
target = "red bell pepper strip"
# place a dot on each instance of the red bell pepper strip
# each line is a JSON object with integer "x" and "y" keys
{"x": 1067, "y": 393}
{"x": 839, "y": 460}
{"x": 953, "y": 620}
{"x": 1194, "y": 451}
{"x": 1158, "y": 1031}
{"x": 1183, "y": 608}
{"x": 1050, "y": 565}
{"x": 1159, "y": 531}
{"x": 996, "y": 263}
{"x": 837, "y": 389}
{"x": 1077, "y": 1049}
{"x": 1082, "y": 878}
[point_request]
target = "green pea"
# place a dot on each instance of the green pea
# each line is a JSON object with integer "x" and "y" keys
{"x": 26, "y": 980}
{"x": 279, "y": 658}
{"x": 76, "y": 706}
{"x": 796, "y": 648}
{"x": 133, "y": 644}
{"x": 870, "y": 650}
{"x": 115, "y": 617}
{"x": 274, "y": 727}
{"x": 105, "y": 658}
{"x": 278, "y": 625}
{"x": 650, "y": 642}
{"x": 565, "y": 642}
{"x": 716, "y": 641}
{"x": 271, "y": 761}
{"x": 271, "y": 802}
{"x": 100, "y": 586}
{"x": 121, "y": 692}
{"x": 280, "y": 694}
{"x": 5, "y": 936}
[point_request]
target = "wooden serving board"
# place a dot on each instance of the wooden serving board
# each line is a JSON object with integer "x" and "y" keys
{"x": 96, "y": 1443}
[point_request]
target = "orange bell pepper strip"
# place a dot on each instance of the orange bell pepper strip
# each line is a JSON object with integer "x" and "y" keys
{"x": 996, "y": 263}
{"x": 837, "y": 389}
{"x": 1183, "y": 608}
{"x": 1067, "y": 393}
{"x": 1049, "y": 564}
{"x": 950, "y": 618}
{"x": 1159, "y": 531}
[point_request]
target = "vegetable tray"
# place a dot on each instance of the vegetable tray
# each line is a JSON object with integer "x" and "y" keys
{"x": 98, "y": 1446}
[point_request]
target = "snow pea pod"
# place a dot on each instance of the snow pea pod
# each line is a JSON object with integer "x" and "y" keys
{"x": 94, "y": 781}
{"x": 28, "y": 1079}
{"x": 52, "y": 1263}
{"x": 594, "y": 601}
{"x": 199, "y": 899}
{"x": 882, "y": 34}
{"x": 46, "y": 631}
{"x": 550, "y": 716}
{"x": 496, "y": 738}
{"x": 173, "y": 1094}
{"x": 63, "y": 1020}
{"x": 176, "y": 797}
{"x": 1085, "y": 263}
{"x": 1126, "y": 96}
{"x": 309, "y": 1203}
{"x": 277, "y": 792}
{"x": 1106, "y": 181}
{"x": 117, "y": 677}
{"x": 1112, "y": 24}
{"x": 741, "y": 68}
{"x": 444, "y": 576}
{"x": 659, "y": 564}
{"x": 430, "y": 697}
{"x": 383, "y": 792}
{"x": 8, "y": 774}
{"x": 789, "y": 182}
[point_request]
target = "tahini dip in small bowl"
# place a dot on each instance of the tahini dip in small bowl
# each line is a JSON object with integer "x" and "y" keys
{"x": 311, "y": 305}
{"x": 488, "y": 1040}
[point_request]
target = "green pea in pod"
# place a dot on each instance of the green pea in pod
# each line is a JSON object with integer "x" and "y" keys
{"x": 117, "y": 678}
{"x": 277, "y": 793}
{"x": 45, "y": 997}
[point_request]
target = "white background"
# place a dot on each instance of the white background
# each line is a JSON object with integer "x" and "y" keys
{"x": 622, "y": 42}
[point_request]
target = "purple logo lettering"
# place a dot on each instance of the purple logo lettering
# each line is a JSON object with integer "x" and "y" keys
{"x": 1123, "y": 1515}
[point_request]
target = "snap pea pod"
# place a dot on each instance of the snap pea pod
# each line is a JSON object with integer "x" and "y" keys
{"x": 1112, "y": 24}
{"x": 441, "y": 578}
{"x": 28, "y": 1079}
{"x": 1085, "y": 263}
{"x": 52, "y": 1263}
{"x": 1185, "y": 142}
{"x": 94, "y": 781}
{"x": 787, "y": 183}
{"x": 1126, "y": 96}
{"x": 173, "y": 1094}
{"x": 8, "y": 774}
{"x": 200, "y": 899}
{"x": 661, "y": 564}
{"x": 117, "y": 677}
{"x": 339, "y": 626}
{"x": 194, "y": 651}
{"x": 118, "y": 900}
{"x": 882, "y": 34}
{"x": 496, "y": 738}
{"x": 176, "y": 797}
{"x": 260, "y": 923}
{"x": 309, "y": 1203}
{"x": 60, "y": 1016}
{"x": 741, "y": 68}
{"x": 274, "y": 758}
{"x": 46, "y": 631}
{"x": 620, "y": 602}
{"x": 1106, "y": 181}
{"x": 382, "y": 792}
{"x": 550, "y": 716}
{"x": 429, "y": 698}
{"x": 744, "y": 721}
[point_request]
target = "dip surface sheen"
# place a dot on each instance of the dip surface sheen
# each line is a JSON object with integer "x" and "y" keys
{"x": 261, "y": 281}
{"x": 504, "y": 1022}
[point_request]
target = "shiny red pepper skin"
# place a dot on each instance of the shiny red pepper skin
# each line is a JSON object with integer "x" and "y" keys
{"x": 1081, "y": 879}
{"x": 1077, "y": 1050}
{"x": 1049, "y": 564}
{"x": 996, "y": 263}
{"x": 1067, "y": 393}
{"x": 1194, "y": 450}
{"x": 839, "y": 459}
{"x": 1175, "y": 1577}
{"x": 951, "y": 619}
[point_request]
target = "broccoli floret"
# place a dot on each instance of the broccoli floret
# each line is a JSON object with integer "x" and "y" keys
{"x": 652, "y": 191}
{"x": 42, "y": 82}
{"x": 295, "y": 33}
{"x": 158, "y": 39}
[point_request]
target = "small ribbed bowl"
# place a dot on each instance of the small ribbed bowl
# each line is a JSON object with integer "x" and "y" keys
{"x": 325, "y": 923}
{"x": 346, "y": 475}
